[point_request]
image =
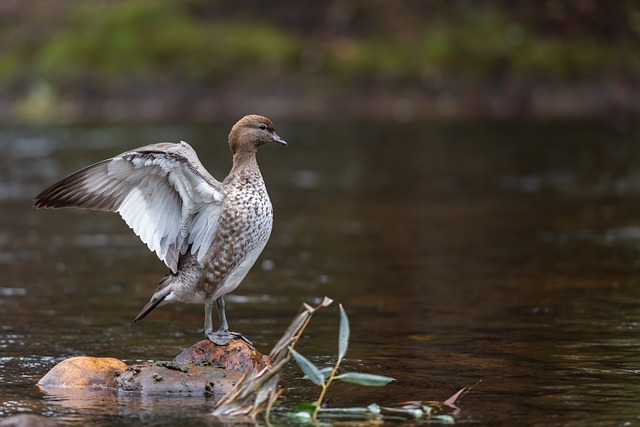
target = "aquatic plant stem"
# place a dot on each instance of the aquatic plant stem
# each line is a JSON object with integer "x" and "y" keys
{"x": 325, "y": 386}
{"x": 255, "y": 388}
{"x": 283, "y": 360}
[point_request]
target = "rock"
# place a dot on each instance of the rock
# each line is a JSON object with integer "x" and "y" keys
{"x": 237, "y": 356}
{"x": 28, "y": 420}
{"x": 85, "y": 371}
{"x": 203, "y": 369}
{"x": 170, "y": 378}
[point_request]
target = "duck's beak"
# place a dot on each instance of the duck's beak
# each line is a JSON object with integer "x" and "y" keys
{"x": 276, "y": 138}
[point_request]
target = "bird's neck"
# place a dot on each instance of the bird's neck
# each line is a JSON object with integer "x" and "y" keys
{"x": 244, "y": 163}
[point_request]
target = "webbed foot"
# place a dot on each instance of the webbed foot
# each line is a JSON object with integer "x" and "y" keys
{"x": 223, "y": 337}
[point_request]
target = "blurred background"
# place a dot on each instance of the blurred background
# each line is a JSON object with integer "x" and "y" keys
{"x": 69, "y": 61}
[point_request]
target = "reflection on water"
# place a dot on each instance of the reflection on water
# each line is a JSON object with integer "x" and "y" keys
{"x": 78, "y": 406}
{"x": 462, "y": 252}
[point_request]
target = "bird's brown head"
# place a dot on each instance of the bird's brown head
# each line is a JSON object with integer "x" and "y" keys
{"x": 252, "y": 131}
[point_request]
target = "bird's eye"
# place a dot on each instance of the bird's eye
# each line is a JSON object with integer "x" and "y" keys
{"x": 263, "y": 127}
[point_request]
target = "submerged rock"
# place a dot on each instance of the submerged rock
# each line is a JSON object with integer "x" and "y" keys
{"x": 170, "y": 378}
{"x": 203, "y": 369}
{"x": 28, "y": 420}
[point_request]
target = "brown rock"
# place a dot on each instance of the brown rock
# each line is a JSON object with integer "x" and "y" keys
{"x": 203, "y": 369}
{"x": 170, "y": 378}
{"x": 85, "y": 371}
{"x": 237, "y": 356}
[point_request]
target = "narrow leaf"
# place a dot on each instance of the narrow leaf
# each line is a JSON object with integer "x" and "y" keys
{"x": 409, "y": 412}
{"x": 326, "y": 301}
{"x": 365, "y": 379}
{"x": 306, "y": 408}
{"x": 302, "y": 415}
{"x": 345, "y": 411}
{"x": 374, "y": 408}
{"x": 326, "y": 372}
{"x": 459, "y": 395}
{"x": 443, "y": 419}
{"x": 309, "y": 369}
{"x": 343, "y": 339}
{"x": 279, "y": 350}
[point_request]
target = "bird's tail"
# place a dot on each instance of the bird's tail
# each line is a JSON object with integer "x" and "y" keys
{"x": 158, "y": 298}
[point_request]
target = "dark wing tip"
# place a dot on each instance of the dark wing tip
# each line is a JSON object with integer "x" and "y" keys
{"x": 72, "y": 191}
{"x": 44, "y": 200}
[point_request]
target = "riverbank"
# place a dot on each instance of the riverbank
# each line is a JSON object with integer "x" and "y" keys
{"x": 42, "y": 103}
{"x": 146, "y": 61}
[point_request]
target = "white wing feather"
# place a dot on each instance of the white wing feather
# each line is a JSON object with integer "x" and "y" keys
{"x": 162, "y": 191}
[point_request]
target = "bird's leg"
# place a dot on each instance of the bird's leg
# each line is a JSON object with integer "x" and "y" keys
{"x": 222, "y": 336}
{"x": 208, "y": 316}
{"x": 222, "y": 315}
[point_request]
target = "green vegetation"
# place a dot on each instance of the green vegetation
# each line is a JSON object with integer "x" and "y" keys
{"x": 325, "y": 376}
{"x": 257, "y": 392}
{"x": 153, "y": 39}
{"x": 112, "y": 41}
{"x": 69, "y": 61}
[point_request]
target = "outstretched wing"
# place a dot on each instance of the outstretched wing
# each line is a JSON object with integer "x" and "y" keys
{"x": 162, "y": 191}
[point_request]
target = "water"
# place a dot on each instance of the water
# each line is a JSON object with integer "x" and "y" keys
{"x": 501, "y": 253}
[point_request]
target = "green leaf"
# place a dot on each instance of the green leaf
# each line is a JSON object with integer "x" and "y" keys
{"x": 303, "y": 410}
{"x": 303, "y": 415}
{"x": 309, "y": 369}
{"x": 343, "y": 339}
{"x": 412, "y": 412}
{"x": 443, "y": 419}
{"x": 326, "y": 372}
{"x": 365, "y": 379}
{"x": 345, "y": 411}
{"x": 374, "y": 408}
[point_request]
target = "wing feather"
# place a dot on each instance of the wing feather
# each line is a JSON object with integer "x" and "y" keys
{"x": 162, "y": 192}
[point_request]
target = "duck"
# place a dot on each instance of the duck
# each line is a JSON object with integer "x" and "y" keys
{"x": 208, "y": 233}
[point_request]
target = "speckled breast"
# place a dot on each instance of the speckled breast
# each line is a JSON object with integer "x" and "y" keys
{"x": 244, "y": 227}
